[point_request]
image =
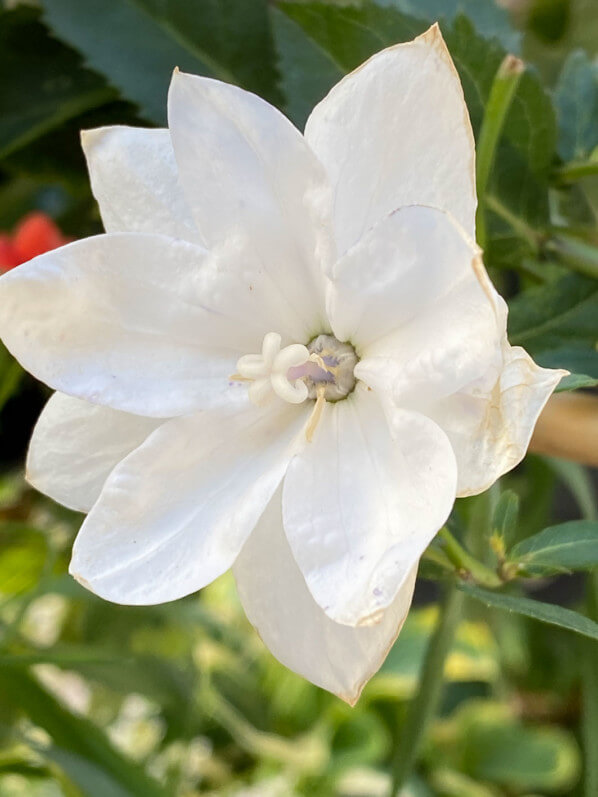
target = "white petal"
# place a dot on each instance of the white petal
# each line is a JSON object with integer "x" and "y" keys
{"x": 362, "y": 502}
{"x": 176, "y": 512}
{"x": 399, "y": 270}
{"x": 449, "y": 326}
{"x": 277, "y": 602}
{"x": 490, "y": 421}
{"x": 134, "y": 178}
{"x": 75, "y": 445}
{"x": 125, "y": 320}
{"x": 395, "y": 132}
{"x": 250, "y": 178}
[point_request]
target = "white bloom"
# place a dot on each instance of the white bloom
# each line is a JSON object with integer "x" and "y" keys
{"x": 284, "y": 356}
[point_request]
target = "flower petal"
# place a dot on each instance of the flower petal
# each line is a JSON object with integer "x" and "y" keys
{"x": 395, "y": 132}
{"x": 125, "y": 320}
{"x": 75, "y": 445}
{"x": 446, "y": 331}
{"x": 363, "y": 501}
{"x": 176, "y": 512}
{"x": 490, "y": 421}
{"x": 251, "y": 179}
{"x": 134, "y": 178}
{"x": 400, "y": 269}
{"x": 277, "y": 602}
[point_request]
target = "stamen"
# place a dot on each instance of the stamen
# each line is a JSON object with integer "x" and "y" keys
{"x": 316, "y": 414}
{"x": 323, "y": 370}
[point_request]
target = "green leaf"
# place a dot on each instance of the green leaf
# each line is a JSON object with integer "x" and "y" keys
{"x": 575, "y": 382}
{"x": 576, "y": 99}
{"x": 579, "y": 482}
{"x": 506, "y": 513}
{"x": 557, "y": 323}
{"x": 488, "y": 18}
{"x": 136, "y": 44}
{"x": 349, "y": 35}
{"x": 568, "y": 546}
{"x": 85, "y": 774}
{"x": 33, "y": 98}
{"x": 318, "y": 43}
{"x": 530, "y": 126}
{"x": 74, "y": 734}
{"x": 544, "y": 612}
{"x": 486, "y": 740}
{"x": 307, "y": 71}
{"x": 11, "y": 374}
{"x": 23, "y": 553}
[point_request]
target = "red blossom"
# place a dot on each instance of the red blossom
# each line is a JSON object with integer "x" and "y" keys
{"x": 35, "y": 234}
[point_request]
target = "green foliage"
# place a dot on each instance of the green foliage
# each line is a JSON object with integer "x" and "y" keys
{"x": 556, "y": 323}
{"x": 32, "y": 107}
{"x": 544, "y": 612}
{"x": 78, "y": 737}
{"x": 576, "y": 99}
{"x": 568, "y": 546}
{"x": 182, "y": 699}
{"x": 136, "y": 45}
{"x": 488, "y": 18}
{"x": 492, "y": 745}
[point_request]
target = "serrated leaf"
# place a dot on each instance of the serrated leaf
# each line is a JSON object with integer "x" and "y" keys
{"x": 34, "y": 100}
{"x": 576, "y": 99}
{"x": 570, "y": 546}
{"x": 136, "y": 44}
{"x": 544, "y": 612}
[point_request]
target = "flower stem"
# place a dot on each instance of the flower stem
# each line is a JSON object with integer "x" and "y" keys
{"x": 466, "y": 564}
{"x": 590, "y": 696}
{"x": 577, "y": 170}
{"x": 502, "y": 92}
{"x": 423, "y": 706}
{"x": 576, "y": 254}
{"x": 517, "y": 224}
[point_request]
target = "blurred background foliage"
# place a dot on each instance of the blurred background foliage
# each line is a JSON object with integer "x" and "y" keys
{"x": 182, "y": 699}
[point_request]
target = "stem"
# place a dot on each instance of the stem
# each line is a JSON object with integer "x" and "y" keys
{"x": 589, "y": 671}
{"x": 523, "y": 230}
{"x": 466, "y": 563}
{"x": 423, "y": 706}
{"x": 577, "y": 170}
{"x": 574, "y": 253}
{"x": 12, "y": 377}
{"x": 502, "y": 92}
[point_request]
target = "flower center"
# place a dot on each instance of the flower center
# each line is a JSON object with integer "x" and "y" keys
{"x": 334, "y": 374}
{"x": 322, "y": 370}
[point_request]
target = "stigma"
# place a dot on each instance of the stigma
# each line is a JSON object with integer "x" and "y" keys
{"x": 269, "y": 371}
{"x": 323, "y": 370}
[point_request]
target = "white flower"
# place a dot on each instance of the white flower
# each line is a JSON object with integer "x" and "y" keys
{"x": 283, "y": 357}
